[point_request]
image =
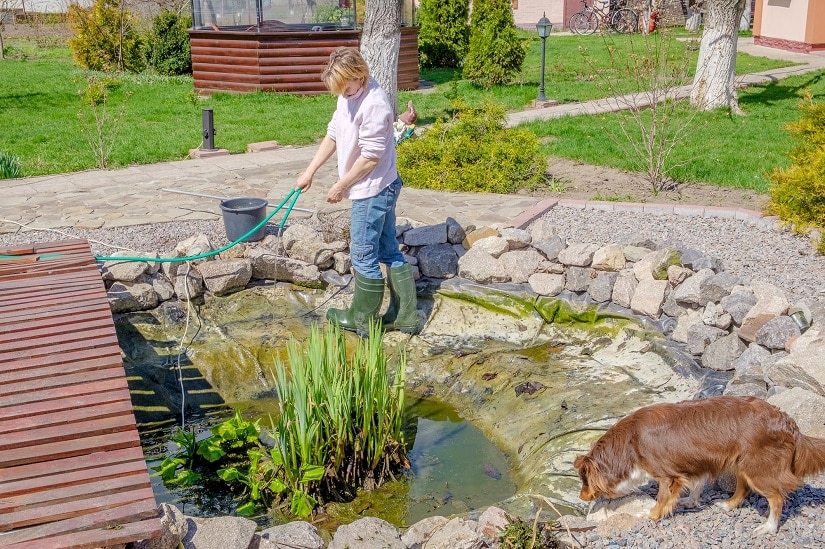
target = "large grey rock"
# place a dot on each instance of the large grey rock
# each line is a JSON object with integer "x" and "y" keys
{"x": 776, "y": 332}
{"x": 458, "y": 533}
{"x": 697, "y": 260}
{"x": 367, "y": 533}
{"x": 601, "y": 285}
{"x": 219, "y": 533}
{"x": 635, "y": 254}
{"x": 578, "y": 278}
{"x": 125, "y": 271}
{"x": 194, "y": 245}
{"x": 714, "y": 288}
{"x": 770, "y": 303}
{"x": 624, "y": 287}
{"x": 223, "y": 276}
{"x": 676, "y": 274}
{"x": 541, "y": 229}
{"x": 188, "y": 284}
{"x": 267, "y": 265}
{"x": 684, "y": 323}
{"x": 649, "y": 296}
{"x": 805, "y": 407}
{"x": 758, "y": 390}
{"x": 546, "y": 283}
{"x": 492, "y": 522}
{"x": 578, "y": 254}
{"x": 689, "y": 292}
{"x": 291, "y": 535}
{"x": 417, "y": 535}
{"x": 609, "y": 258}
{"x": 455, "y": 232}
{"x": 126, "y": 297}
{"x": 516, "y": 238}
{"x": 700, "y": 336}
{"x": 427, "y": 235}
{"x": 163, "y": 288}
{"x": 437, "y": 260}
{"x": 521, "y": 263}
{"x": 738, "y": 303}
{"x": 341, "y": 262}
{"x": 298, "y": 233}
{"x": 636, "y": 505}
{"x": 493, "y": 245}
{"x": 173, "y": 525}
{"x": 315, "y": 252}
{"x": 550, "y": 247}
{"x": 721, "y": 354}
{"x": 803, "y": 366}
{"x": 479, "y": 266}
{"x": 750, "y": 365}
{"x": 655, "y": 264}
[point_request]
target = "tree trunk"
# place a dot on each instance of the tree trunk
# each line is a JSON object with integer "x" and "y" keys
{"x": 380, "y": 43}
{"x": 745, "y": 21}
{"x": 715, "y": 69}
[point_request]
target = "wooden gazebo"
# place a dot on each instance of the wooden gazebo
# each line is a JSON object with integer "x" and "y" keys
{"x": 246, "y": 45}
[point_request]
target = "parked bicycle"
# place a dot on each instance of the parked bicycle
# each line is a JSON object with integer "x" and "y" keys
{"x": 609, "y": 15}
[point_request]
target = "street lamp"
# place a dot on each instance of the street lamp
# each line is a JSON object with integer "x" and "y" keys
{"x": 543, "y": 27}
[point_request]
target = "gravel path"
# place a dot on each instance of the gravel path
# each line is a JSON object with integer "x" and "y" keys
{"x": 770, "y": 255}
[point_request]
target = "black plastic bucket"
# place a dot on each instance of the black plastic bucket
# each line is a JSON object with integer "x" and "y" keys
{"x": 241, "y": 215}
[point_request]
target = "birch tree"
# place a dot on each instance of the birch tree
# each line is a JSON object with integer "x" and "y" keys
{"x": 713, "y": 84}
{"x": 380, "y": 43}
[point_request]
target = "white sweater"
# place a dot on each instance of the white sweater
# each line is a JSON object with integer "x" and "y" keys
{"x": 362, "y": 126}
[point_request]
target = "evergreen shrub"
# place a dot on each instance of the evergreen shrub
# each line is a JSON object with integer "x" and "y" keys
{"x": 168, "y": 51}
{"x": 105, "y": 37}
{"x": 474, "y": 152}
{"x": 443, "y": 33}
{"x": 798, "y": 191}
{"x": 495, "y": 52}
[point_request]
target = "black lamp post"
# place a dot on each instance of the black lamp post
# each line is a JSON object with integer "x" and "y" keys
{"x": 543, "y": 27}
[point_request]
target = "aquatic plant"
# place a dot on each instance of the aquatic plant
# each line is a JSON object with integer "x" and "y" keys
{"x": 339, "y": 413}
{"x": 339, "y": 430}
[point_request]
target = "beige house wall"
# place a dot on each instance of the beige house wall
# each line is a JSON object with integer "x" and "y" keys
{"x": 526, "y": 13}
{"x": 784, "y": 19}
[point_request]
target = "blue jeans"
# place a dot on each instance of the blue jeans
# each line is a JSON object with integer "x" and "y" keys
{"x": 372, "y": 232}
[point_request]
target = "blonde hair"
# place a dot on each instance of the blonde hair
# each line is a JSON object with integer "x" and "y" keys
{"x": 345, "y": 64}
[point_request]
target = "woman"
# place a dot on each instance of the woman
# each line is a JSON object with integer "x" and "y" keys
{"x": 361, "y": 133}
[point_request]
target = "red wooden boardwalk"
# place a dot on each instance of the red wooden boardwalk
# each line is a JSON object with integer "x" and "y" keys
{"x": 72, "y": 472}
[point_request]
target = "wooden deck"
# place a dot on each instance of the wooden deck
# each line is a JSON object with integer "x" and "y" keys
{"x": 72, "y": 472}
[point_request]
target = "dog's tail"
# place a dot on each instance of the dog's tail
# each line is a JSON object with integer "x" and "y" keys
{"x": 809, "y": 457}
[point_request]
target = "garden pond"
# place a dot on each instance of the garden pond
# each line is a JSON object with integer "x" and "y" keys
{"x": 503, "y": 390}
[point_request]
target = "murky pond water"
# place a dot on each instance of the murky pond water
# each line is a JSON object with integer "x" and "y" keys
{"x": 533, "y": 393}
{"x": 454, "y": 469}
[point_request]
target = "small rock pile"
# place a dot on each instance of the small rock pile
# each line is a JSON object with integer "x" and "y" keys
{"x": 179, "y": 530}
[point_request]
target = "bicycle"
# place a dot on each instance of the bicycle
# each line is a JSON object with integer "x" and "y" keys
{"x": 617, "y": 19}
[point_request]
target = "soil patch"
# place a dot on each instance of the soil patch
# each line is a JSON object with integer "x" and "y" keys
{"x": 581, "y": 181}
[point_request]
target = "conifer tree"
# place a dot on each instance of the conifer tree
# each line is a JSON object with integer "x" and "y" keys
{"x": 443, "y": 33}
{"x": 495, "y": 52}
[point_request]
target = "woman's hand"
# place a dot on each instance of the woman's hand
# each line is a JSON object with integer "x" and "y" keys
{"x": 336, "y": 193}
{"x": 304, "y": 181}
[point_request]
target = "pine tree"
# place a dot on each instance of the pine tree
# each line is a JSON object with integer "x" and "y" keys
{"x": 496, "y": 52}
{"x": 443, "y": 34}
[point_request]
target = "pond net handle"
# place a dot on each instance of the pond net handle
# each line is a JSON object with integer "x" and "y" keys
{"x": 293, "y": 194}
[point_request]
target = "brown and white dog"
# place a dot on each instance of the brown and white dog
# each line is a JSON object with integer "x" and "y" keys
{"x": 684, "y": 445}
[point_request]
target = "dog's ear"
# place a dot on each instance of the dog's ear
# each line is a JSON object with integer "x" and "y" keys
{"x": 580, "y": 462}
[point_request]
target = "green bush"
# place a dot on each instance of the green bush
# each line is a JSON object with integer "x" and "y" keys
{"x": 105, "y": 37}
{"x": 168, "y": 51}
{"x": 798, "y": 192}
{"x": 495, "y": 52}
{"x": 443, "y": 34}
{"x": 9, "y": 166}
{"x": 474, "y": 153}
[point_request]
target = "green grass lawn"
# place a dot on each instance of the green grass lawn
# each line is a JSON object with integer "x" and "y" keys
{"x": 40, "y": 104}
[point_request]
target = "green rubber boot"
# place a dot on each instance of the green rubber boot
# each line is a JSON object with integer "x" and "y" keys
{"x": 401, "y": 314}
{"x": 366, "y": 302}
